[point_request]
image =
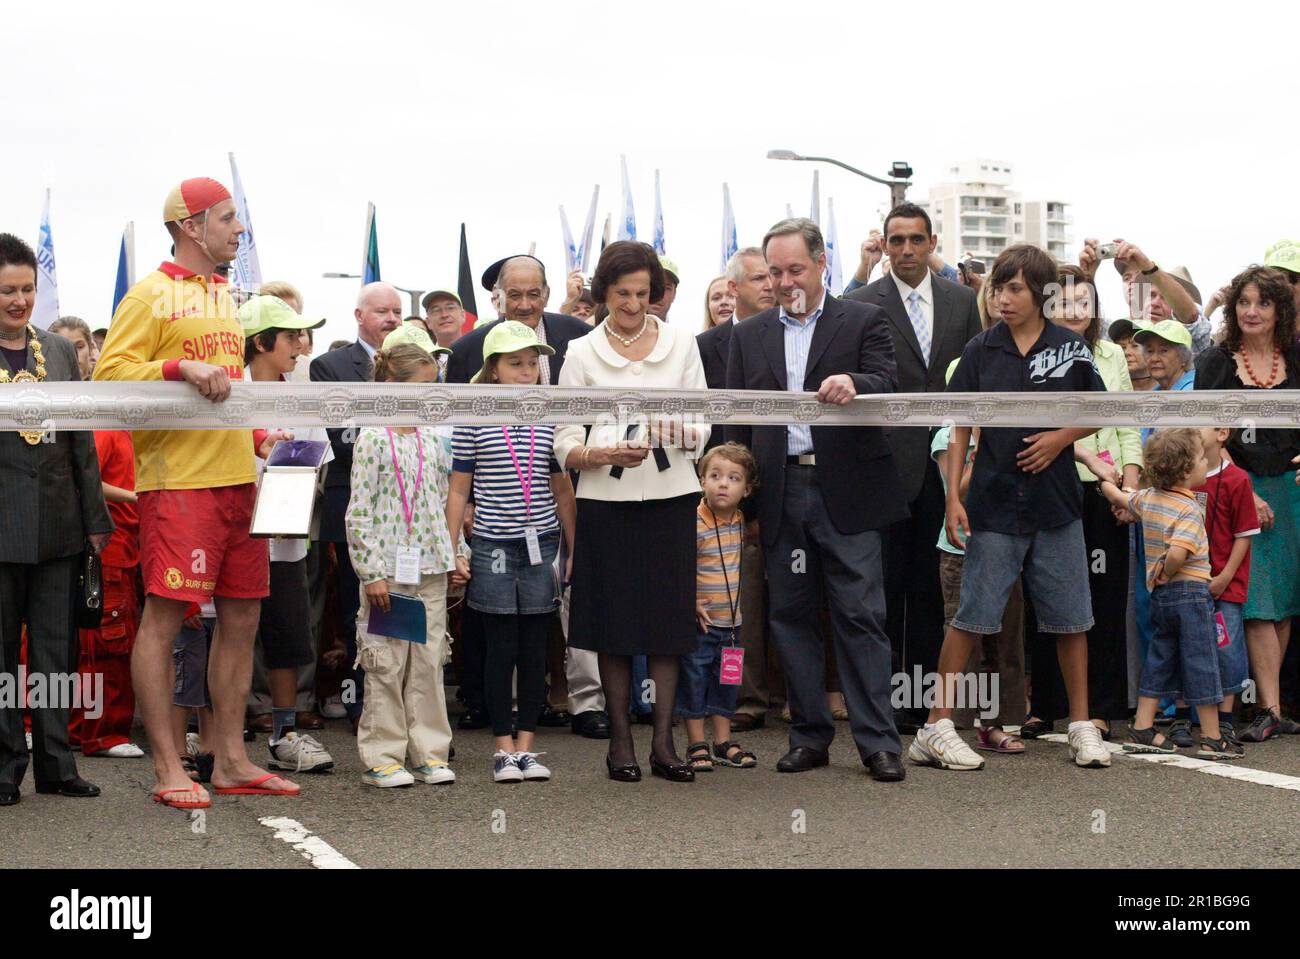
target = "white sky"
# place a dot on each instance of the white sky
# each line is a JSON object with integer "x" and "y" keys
{"x": 1168, "y": 124}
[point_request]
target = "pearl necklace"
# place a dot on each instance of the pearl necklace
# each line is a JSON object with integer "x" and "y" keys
{"x": 645, "y": 325}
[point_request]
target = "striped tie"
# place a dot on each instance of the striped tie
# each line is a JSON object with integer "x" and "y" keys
{"x": 918, "y": 324}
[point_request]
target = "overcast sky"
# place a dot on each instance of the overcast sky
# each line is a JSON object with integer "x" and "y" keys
{"x": 1168, "y": 124}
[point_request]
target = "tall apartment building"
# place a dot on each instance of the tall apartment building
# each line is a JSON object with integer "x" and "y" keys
{"x": 976, "y": 210}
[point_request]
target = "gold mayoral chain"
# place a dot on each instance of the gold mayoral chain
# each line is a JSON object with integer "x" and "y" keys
{"x": 22, "y": 376}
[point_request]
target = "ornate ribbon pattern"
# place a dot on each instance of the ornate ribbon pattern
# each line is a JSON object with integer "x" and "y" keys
{"x": 171, "y": 406}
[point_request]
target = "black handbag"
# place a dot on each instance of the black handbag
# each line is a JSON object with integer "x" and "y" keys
{"x": 90, "y": 591}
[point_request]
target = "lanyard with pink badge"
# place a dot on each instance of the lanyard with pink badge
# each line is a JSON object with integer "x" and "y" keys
{"x": 732, "y": 668}
{"x": 526, "y": 484}
{"x": 408, "y": 557}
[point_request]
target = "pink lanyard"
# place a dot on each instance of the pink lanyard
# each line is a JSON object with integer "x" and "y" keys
{"x": 407, "y": 510}
{"x": 525, "y": 484}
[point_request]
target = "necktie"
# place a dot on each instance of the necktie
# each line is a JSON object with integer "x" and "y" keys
{"x": 918, "y": 324}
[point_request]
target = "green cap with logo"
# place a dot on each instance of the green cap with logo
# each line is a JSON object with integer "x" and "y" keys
{"x": 409, "y": 334}
{"x": 509, "y": 336}
{"x": 263, "y": 313}
{"x": 1284, "y": 255}
{"x": 1171, "y": 331}
{"x": 671, "y": 268}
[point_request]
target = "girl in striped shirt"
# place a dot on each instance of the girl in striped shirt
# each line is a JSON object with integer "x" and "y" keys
{"x": 522, "y": 500}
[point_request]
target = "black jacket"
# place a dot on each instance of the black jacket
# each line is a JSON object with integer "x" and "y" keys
{"x": 855, "y": 467}
{"x": 347, "y": 364}
{"x": 467, "y": 353}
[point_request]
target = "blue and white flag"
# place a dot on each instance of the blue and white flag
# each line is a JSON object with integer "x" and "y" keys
{"x": 816, "y": 214}
{"x": 604, "y": 237}
{"x": 246, "y": 272}
{"x": 570, "y": 248}
{"x": 46, "y": 310}
{"x": 125, "y": 265}
{"x": 729, "y": 245}
{"x": 832, "y": 251}
{"x": 627, "y": 220}
{"x": 588, "y": 231}
{"x": 659, "y": 219}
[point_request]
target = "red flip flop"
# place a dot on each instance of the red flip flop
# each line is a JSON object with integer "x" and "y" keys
{"x": 254, "y": 788}
{"x": 163, "y": 797}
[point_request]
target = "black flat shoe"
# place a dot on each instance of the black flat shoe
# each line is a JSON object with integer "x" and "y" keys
{"x": 1035, "y": 729}
{"x": 9, "y": 796}
{"x": 623, "y": 772}
{"x": 593, "y": 724}
{"x": 76, "y": 787}
{"x": 553, "y": 718}
{"x": 801, "y": 759}
{"x": 474, "y": 719}
{"x": 885, "y": 767}
{"x": 678, "y": 772}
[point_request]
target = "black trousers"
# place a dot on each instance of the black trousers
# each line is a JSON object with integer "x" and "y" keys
{"x": 913, "y": 597}
{"x": 515, "y": 642}
{"x": 40, "y": 595}
{"x": 348, "y": 590}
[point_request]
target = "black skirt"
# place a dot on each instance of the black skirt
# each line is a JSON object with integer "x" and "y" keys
{"x": 634, "y": 577}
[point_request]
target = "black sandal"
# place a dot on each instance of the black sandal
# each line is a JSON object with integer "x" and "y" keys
{"x": 697, "y": 754}
{"x": 1032, "y": 730}
{"x": 1144, "y": 741}
{"x": 742, "y": 760}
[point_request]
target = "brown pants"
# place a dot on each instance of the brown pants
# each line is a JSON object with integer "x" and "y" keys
{"x": 1002, "y": 653}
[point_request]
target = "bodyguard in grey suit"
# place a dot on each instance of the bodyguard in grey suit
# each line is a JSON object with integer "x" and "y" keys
{"x": 931, "y": 320}
{"x": 51, "y": 504}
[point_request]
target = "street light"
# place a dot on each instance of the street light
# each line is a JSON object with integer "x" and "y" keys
{"x": 415, "y": 295}
{"x": 900, "y": 173}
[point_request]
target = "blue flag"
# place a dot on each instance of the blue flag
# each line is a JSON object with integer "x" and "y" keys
{"x": 125, "y": 265}
{"x": 659, "y": 219}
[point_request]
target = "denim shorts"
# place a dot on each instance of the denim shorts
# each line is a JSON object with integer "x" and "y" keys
{"x": 502, "y": 581}
{"x": 190, "y": 651}
{"x": 1055, "y": 565}
{"x": 1181, "y": 659}
{"x": 700, "y": 692}
{"x": 1234, "y": 667}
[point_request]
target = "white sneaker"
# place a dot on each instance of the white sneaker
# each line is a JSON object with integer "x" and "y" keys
{"x": 1086, "y": 745}
{"x": 505, "y": 768}
{"x": 333, "y": 708}
{"x": 939, "y": 745}
{"x": 299, "y": 753}
{"x": 436, "y": 774}
{"x": 124, "y": 751}
{"x": 531, "y": 768}
{"x": 386, "y": 776}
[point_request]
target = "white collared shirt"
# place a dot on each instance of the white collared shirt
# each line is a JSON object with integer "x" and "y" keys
{"x": 926, "y": 289}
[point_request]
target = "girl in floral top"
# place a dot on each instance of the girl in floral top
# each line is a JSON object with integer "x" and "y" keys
{"x": 398, "y": 543}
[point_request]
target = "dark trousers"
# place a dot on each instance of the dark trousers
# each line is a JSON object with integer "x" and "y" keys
{"x": 473, "y": 656}
{"x": 40, "y": 595}
{"x": 515, "y": 642}
{"x": 913, "y": 597}
{"x": 754, "y": 695}
{"x": 809, "y": 554}
{"x": 348, "y": 592}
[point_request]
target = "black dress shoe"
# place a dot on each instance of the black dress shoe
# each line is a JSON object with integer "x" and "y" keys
{"x": 801, "y": 759}
{"x": 885, "y": 767}
{"x": 747, "y": 722}
{"x": 9, "y": 796}
{"x": 593, "y": 724}
{"x": 474, "y": 719}
{"x": 623, "y": 772}
{"x": 75, "y": 787}
{"x": 677, "y": 772}
{"x": 552, "y": 717}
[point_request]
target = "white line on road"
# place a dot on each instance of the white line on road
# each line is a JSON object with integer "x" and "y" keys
{"x": 1226, "y": 770}
{"x": 314, "y": 849}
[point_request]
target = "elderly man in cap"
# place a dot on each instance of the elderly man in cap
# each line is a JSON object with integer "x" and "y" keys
{"x": 519, "y": 283}
{"x": 661, "y": 306}
{"x": 1154, "y": 295}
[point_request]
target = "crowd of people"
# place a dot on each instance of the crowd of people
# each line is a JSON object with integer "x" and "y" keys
{"x": 680, "y": 574}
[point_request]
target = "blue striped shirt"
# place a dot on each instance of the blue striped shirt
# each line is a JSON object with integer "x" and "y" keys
{"x": 798, "y": 341}
{"x": 498, "y": 491}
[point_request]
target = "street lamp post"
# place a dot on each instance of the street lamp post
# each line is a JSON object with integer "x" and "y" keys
{"x": 415, "y": 295}
{"x": 899, "y": 173}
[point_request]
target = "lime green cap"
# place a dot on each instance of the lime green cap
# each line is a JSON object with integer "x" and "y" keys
{"x": 263, "y": 313}
{"x": 408, "y": 334}
{"x": 1284, "y": 254}
{"x": 509, "y": 336}
{"x": 1171, "y": 331}
{"x": 670, "y": 267}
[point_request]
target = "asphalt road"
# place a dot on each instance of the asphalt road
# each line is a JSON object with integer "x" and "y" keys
{"x": 1029, "y": 811}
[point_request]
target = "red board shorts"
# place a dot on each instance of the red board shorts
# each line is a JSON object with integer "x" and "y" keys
{"x": 194, "y": 544}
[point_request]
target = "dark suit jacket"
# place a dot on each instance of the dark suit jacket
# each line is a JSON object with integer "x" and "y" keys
{"x": 347, "y": 364}
{"x": 855, "y": 468}
{"x": 51, "y": 497}
{"x": 714, "y": 346}
{"x": 467, "y": 353}
{"x": 956, "y": 322}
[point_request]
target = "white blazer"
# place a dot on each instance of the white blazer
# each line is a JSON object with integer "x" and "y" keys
{"x": 674, "y": 363}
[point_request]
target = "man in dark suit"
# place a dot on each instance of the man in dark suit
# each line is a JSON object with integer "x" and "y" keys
{"x": 931, "y": 321}
{"x": 378, "y": 313}
{"x": 521, "y": 292}
{"x": 825, "y": 494}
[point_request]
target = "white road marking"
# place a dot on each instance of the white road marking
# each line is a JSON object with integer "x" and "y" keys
{"x": 314, "y": 849}
{"x": 1227, "y": 769}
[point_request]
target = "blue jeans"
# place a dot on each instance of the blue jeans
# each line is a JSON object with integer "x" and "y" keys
{"x": 1234, "y": 667}
{"x": 700, "y": 692}
{"x": 1181, "y": 659}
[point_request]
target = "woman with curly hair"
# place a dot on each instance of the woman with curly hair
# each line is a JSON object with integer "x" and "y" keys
{"x": 1259, "y": 352}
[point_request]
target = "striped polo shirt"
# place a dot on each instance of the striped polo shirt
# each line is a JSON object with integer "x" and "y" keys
{"x": 710, "y": 583}
{"x": 498, "y": 493}
{"x": 1172, "y": 517}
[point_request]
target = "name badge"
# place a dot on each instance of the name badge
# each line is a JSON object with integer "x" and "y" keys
{"x": 733, "y": 665}
{"x": 534, "y": 546}
{"x": 408, "y": 566}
